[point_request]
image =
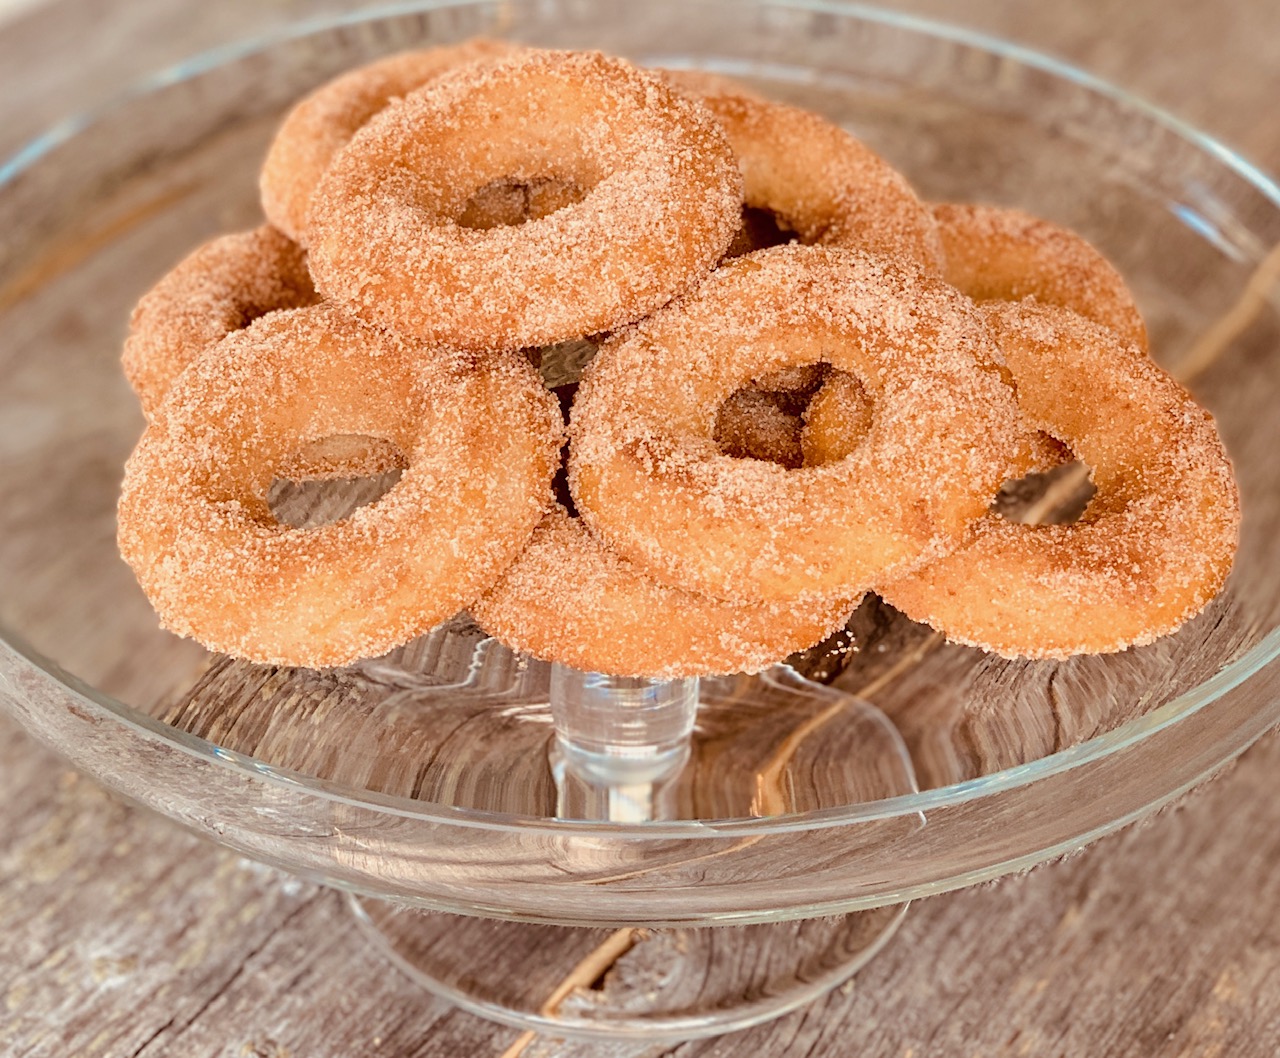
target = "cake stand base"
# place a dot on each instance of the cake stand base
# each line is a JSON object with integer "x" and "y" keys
{"x": 634, "y": 750}
{"x": 630, "y": 983}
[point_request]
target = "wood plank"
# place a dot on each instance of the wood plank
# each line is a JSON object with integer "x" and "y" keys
{"x": 122, "y": 935}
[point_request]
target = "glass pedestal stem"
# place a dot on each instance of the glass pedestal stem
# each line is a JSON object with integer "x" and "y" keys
{"x": 618, "y": 739}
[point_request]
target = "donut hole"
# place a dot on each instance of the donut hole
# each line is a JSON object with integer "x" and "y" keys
{"x": 1057, "y": 496}
{"x": 332, "y": 477}
{"x": 511, "y": 202}
{"x": 765, "y": 420}
{"x": 756, "y": 424}
{"x": 760, "y": 229}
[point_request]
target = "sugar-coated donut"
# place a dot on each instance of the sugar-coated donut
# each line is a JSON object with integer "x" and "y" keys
{"x": 567, "y": 598}
{"x": 1000, "y": 254}
{"x": 218, "y": 288}
{"x": 319, "y": 126}
{"x": 662, "y": 203}
{"x": 822, "y": 183}
{"x": 195, "y": 526}
{"x": 1156, "y": 541}
{"x": 647, "y": 476}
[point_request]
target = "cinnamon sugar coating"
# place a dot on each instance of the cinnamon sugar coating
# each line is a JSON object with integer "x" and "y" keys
{"x": 999, "y": 254}
{"x": 568, "y": 598}
{"x": 821, "y": 182}
{"x": 838, "y": 419}
{"x": 193, "y": 517}
{"x": 753, "y": 447}
{"x": 1155, "y": 543}
{"x": 319, "y": 126}
{"x": 662, "y": 203}
{"x": 647, "y": 476}
{"x": 218, "y": 288}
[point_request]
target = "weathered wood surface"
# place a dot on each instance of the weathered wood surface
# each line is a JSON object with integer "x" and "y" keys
{"x": 120, "y": 935}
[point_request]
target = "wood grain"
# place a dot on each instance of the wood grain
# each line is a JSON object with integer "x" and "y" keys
{"x": 124, "y": 936}
{"x": 121, "y": 935}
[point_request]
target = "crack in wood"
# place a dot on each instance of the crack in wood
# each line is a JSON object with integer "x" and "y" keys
{"x": 152, "y": 1038}
{"x": 587, "y": 973}
{"x": 226, "y": 985}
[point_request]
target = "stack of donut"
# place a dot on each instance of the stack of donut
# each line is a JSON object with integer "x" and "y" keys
{"x": 809, "y": 385}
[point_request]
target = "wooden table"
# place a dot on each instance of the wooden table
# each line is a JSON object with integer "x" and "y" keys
{"x": 122, "y": 935}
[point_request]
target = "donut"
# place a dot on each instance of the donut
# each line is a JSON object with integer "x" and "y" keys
{"x": 999, "y": 254}
{"x": 194, "y": 523}
{"x": 648, "y": 478}
{"x": 838, "y": 419}
{"x": 661, "y": 204}
{"x": 319, "y": 126}
{"x": 822, "y": 184}
{"x": 222, "y": 286}
{"x": 567, "y": 598}
{"x": 1156, "y": 541}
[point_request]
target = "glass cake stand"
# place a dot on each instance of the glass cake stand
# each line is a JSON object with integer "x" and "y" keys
{"x": 560, "y": 850}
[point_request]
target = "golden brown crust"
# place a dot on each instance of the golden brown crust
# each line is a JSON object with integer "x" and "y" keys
{"x": 647, "y": 476}
{"x": 195, "y": 527}
{"x": 1155, "y": 543}
{"x": 663, "y": 199}
{"x": 218, "y": 288}
{"x": 319, "y": 126}
{"x": 567, "y": 598}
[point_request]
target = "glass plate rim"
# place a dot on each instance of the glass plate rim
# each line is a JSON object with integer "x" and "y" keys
{"x": 1092, "y": 750}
